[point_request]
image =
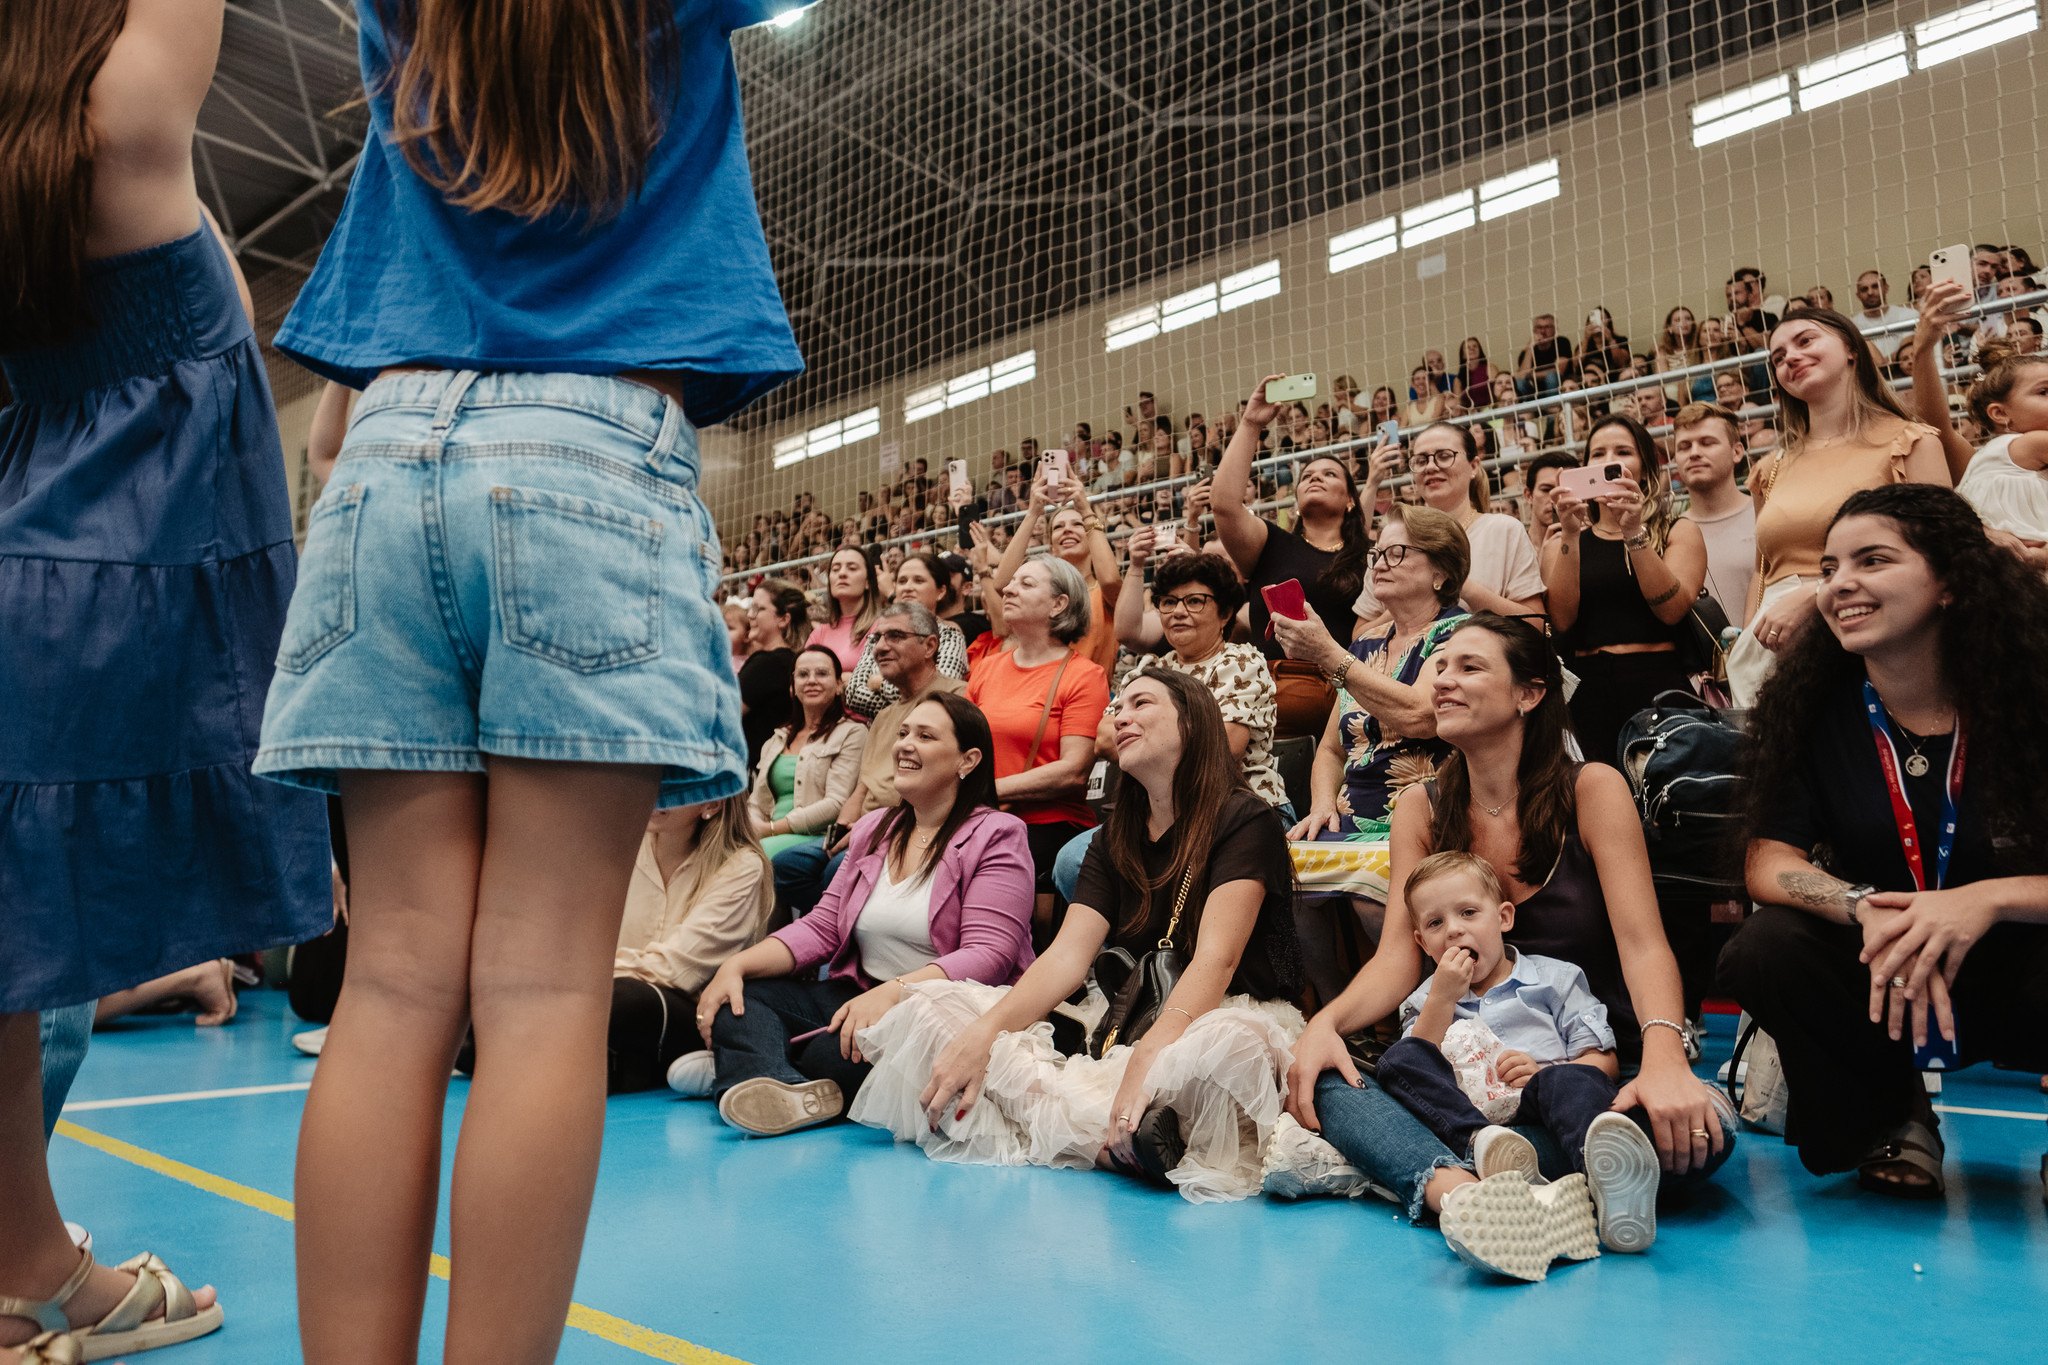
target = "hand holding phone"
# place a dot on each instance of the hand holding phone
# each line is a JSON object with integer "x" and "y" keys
{"x": 1055, "y": 467}
{"x": 1164, "y": 537}
{"x": 1285, "y": 599}
{"x": 1953, "y": 264}
{"x": 1291, "y": 388}
{"x": 959, "y": 490}
{"x": 1587, "y": 484}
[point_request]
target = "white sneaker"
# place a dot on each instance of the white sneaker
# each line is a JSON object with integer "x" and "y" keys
{"x": 765, "y": 1106}
{"x": 1621, "y": 1169}
{"x": 1498, "y": 1149}
{"x": 80, "y": 1238}
{"x": 1504, "y": 1225}
{"x": 691, "y": 1074}
{"x": 1299, "y": 1163}
{"x": 311, "y": 1041}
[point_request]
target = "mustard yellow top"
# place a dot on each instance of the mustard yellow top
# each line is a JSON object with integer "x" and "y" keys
{"x": 1803, "y": 494}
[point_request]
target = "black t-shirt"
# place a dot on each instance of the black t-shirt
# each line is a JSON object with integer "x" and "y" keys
{"x": 972, "y": 625}
{"x": 1838, "y": 809}
{"x": 1287, "y": 556}
{"x": 1249, "y": 844}
{"x": 765, "y": 676}
{"x": 1554, "y": 354}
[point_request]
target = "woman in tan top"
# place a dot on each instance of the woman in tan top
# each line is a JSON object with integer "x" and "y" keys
{"x": 701, "y": 892}
{"x": 1844, "y": 431}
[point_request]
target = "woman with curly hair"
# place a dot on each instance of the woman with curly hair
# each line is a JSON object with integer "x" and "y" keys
{"x": 1906, "y": 738}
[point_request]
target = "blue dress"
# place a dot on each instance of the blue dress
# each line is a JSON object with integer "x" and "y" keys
{"x": 145, "y": 562}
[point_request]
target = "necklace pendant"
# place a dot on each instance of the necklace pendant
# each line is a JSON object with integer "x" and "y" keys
{"x": 1916, "y": 766}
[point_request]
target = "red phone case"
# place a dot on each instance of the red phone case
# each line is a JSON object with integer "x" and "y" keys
{"x": 1285, "y": 599}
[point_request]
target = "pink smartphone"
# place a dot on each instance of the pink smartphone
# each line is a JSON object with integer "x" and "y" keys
{"x": 1054, "y": 463}
{"x": 1286, "y": 599}
{"x": 1587, "y": 484}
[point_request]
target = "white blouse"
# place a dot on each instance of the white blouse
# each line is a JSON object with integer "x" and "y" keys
{"x": 2008, "y": 496}
{"x": 894, "y": 931}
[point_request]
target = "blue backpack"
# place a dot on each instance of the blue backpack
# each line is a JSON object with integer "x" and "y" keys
{"x": 1682, "y": 759}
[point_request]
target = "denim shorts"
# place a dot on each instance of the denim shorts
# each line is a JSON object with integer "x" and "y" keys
{"x": 513, "y": 564}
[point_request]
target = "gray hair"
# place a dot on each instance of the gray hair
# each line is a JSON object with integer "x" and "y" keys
{"x": 921, "y": 619}
{"x": 1071, "y": 624}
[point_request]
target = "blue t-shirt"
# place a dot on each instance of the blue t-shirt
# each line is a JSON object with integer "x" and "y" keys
{"x": 680, "y": 280}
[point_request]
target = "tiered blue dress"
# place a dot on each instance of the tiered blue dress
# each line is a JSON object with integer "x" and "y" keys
{"x": 145, "y": 562}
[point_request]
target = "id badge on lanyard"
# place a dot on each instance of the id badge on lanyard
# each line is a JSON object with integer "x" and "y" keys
{"x": 1902, "y": 810}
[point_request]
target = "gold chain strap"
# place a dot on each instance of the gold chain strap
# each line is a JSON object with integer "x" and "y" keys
{"x": 1187, "y": 882}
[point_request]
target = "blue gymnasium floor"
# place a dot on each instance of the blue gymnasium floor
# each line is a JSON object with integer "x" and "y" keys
{"x": 836, "y": 1246}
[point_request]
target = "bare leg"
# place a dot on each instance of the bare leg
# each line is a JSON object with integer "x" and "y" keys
{"x": 557, "y": 859}
{"x": 208, "y": 983}
{"x": 370, "y": 1141}
{"x": 36, "y": 1255}
{"x": 1441, "y": 1182}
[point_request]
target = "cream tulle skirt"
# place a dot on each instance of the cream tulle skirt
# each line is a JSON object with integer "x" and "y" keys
{"x": 1223, "y": 1077}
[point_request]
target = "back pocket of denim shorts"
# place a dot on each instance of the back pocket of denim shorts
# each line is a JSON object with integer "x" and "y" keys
{"x": 579, "y": 582}
{"x": 323, "y": 608}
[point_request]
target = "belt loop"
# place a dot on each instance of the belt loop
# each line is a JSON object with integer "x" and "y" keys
{"x": 451, "y": 400}
{"x": 676, "y": 432}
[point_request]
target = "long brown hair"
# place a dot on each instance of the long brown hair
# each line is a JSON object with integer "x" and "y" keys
{"x": 50, "y": 51}
{"x": 977, "y": 789}
{"x": 1874, "y": 398}
{"x": 723, "y": 836}
{"x": 1479, "y": 492}
{"x": 1545, "y": 804}
{"x": 531, "y": 105}
{"x": 1206, "y": 777}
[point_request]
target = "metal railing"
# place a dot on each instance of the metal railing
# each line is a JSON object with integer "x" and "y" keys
{"x": 1541, "y": 404}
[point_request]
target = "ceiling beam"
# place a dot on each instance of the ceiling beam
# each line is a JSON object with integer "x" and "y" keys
{"x": 321, "y": 185}
{"x": 241, "y": 11}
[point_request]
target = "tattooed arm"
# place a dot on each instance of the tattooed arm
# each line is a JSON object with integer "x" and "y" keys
{"x": 1780, "y": 874}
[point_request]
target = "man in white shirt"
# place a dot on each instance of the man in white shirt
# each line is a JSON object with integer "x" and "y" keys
{"x": 1873, "y": 291}
{"x": 1706, "y": 442}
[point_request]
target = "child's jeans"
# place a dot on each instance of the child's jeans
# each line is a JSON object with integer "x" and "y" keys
{"x": 1563, "y": 1099}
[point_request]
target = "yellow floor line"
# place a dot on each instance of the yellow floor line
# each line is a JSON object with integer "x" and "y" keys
{"x": 604, "y": 1326}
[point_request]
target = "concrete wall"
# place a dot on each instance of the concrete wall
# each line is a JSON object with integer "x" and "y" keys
{"x": 1646, "y": 221}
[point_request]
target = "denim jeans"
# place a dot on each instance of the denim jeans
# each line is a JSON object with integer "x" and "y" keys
{"x": 802, "y": 874}
{"x": 1563, "y": 1100}
{"x": 66, "y": 1032}
{"x": 780, "y": 1008}
{"x": 1377, "y": 1135}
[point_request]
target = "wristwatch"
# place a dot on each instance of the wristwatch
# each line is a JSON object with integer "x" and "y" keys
{"x": 1853, "y": 896}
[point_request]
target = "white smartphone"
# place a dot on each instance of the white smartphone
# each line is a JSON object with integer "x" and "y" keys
{"x": 1054, "y": 463}
{"x": 1165, "y": 536}
{"x": 1291, "y": 388}
{"x": 956, "y": 479}
{"x": 1953, "y": 263}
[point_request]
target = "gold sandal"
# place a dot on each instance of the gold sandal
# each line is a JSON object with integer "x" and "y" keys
{"x": 51, "y": 1348}
{"x": 129, "y": 1327}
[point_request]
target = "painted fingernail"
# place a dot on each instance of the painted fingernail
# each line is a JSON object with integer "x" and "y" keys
{"x": 959, "y": 1116}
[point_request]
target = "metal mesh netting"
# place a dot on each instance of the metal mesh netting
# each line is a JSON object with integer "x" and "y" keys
{"x": 1095, "y": 227}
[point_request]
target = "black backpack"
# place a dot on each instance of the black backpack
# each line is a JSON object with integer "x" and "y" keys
{"x": 1682, "y": 758}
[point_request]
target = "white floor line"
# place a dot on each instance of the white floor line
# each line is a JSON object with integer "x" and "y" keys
{"x": 1988, "y": 1113}
{"x": 81, "y": 1106}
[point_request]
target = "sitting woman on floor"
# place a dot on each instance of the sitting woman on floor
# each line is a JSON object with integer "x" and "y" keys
{"x": 1565, "y": 841}
{"x": 937, "y": 888}
{"x": 700, "y": 893}
{"x": 1906, "y": 736}
{"x": 1191, "y": 857}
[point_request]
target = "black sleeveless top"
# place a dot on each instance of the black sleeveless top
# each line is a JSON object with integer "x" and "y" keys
{"x": 1566, "y": 918}
{"x": 1612, "y": 610}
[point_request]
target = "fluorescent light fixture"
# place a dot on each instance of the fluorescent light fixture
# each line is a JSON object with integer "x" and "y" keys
{"x": 1182, "y": 310}
{"x": 1131, "y": 328}
{"x": 1530, "y": 185}
{"x": 1971, "y": 27}
{"x": 1008, "y": 374}
{"x": 788, "y": 16}
{"x": 967, "y": 387}
{"x": 1249, "y": 286}
{"x": 815, "y": 442}
{"x": 1360, "y": 245}
{"x": 1438, "y": 218}
{"x": 1738, "y": 111}
{"x": 1855, "y": 69}
{"x": 926, "y": 402}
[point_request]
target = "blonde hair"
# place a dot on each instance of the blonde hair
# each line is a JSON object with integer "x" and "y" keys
{"x": 1455, "y": 863}
{"x": 1438, "y": 537}
{"x": 1692, "y": 414}
{"x": 2001, "y": 363}
{"x": 721, "y": 836}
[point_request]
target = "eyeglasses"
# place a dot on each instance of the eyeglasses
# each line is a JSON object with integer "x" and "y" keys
{"x": 1389, "y": 558}
{"x": 1191, "y": 603}
{"x": 898, "y": 637}
{"x": 1434, "y": 459}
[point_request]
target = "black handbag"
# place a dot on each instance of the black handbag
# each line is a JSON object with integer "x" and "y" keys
{"x": 1138, "y": 988}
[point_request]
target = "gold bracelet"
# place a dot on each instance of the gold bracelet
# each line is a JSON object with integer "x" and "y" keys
{"x": 1091, "y": 522}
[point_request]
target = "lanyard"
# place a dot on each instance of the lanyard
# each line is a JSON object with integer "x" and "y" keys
{"x": 1902, "y": 811}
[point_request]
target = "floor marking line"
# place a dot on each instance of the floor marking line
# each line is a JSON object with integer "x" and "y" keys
{"x": 605, "y": 1326}
{"x": 1988, "y": 1113}
{"x": 82, "y": 1106}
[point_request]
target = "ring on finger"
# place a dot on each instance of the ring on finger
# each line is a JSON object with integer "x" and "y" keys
{"x": 1898, "y": 983}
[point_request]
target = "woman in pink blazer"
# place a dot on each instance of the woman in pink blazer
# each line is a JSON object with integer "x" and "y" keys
{"x": 937, "y": 888}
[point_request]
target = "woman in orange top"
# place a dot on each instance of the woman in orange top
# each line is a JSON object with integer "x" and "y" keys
{"x": 1844, "y": 431}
